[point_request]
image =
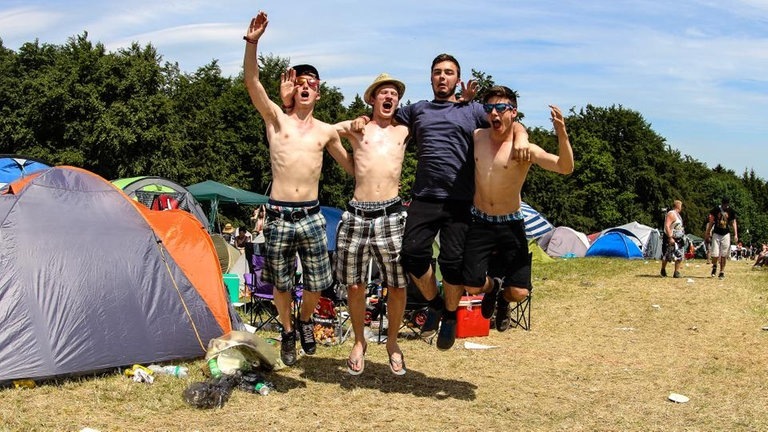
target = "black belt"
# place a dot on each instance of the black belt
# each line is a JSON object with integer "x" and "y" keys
{"x": 293, "y": 215}
{"x": 395, "y": 207}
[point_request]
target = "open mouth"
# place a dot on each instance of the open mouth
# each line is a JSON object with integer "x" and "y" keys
{"x": 305, "y": 94}
{"x": 387, "y": 105}
{"x": 496, "y": 123}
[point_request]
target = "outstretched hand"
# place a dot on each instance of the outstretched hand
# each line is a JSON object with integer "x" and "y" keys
{"x": 469, "y": 91}
{"x": 287, "y": 86}
{"x": 557, "y": 118}
{"x": 257, "y": 27}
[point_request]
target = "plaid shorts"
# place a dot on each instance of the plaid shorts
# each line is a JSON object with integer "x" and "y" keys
{"x": 285, "y": 238}
{"x": 362, "y": 237}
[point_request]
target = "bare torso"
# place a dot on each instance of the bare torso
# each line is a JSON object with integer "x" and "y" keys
{"x": 378, "y": 156}
{"x": 296, "y": 155}
{"x": 498, "y": 178}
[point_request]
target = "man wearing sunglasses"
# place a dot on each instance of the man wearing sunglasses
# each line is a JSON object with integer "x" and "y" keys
{"x": 294, "y": 222}
{"x": 498, "y": 226}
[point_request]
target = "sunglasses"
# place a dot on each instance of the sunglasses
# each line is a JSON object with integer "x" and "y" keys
{"x": 499, "y": 107}
{"x": 311, "y": 82}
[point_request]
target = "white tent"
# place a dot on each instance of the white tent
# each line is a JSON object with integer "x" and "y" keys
{"x": 565, "y": 241}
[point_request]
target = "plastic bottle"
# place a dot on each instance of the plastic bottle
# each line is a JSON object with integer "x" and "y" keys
{"x": 260, "y": 388}
{"x": 177, "y": 371}
{"x": 213, "y": 366}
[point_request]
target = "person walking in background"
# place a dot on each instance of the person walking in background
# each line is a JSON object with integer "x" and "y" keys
{"x": 720, "y": 219}
{"x": 498, "y": 225}
{"x": 372, "y": 226}
{"x": 294, "y": 222}
{"x": 673, "y": 243}
{"x": 258, "y": 218}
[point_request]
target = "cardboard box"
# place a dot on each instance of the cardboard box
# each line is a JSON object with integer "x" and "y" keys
{"x": 469, "y": 319}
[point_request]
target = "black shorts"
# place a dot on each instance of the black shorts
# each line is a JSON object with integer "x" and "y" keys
{"x": 497, "y": 249}
{"x": 426, "y": 218}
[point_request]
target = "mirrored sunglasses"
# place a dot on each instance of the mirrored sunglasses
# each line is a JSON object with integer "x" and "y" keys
{"x": 500, "y": 107}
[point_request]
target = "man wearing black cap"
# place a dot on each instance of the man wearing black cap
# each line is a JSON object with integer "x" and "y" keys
{"x": 717, "y": 229}
{"x": 294, "y": 222}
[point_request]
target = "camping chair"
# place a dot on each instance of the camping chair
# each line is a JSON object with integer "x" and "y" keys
{"x": 520, "y": 312}
{"x": 263, "y": 310}
{"x": 414, "y": 316}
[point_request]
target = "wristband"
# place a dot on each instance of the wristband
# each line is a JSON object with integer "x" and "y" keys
{"x": 250, "y": 41}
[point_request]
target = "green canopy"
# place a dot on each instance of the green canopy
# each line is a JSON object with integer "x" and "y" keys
{"x": 216, "y": 193}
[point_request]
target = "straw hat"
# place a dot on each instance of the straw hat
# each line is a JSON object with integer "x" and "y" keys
{"x": 228, "y": 229}
{"x": 380, "y": 80}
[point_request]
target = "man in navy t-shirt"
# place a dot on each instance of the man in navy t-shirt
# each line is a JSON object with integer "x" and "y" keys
{"x": 443, "y": 190}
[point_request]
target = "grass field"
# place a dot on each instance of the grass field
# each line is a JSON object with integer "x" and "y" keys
{"x": 610, "y": 340}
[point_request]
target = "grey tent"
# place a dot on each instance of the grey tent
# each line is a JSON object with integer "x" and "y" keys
{"x": 216, "y": 193}
{"x": 105, "y": 283}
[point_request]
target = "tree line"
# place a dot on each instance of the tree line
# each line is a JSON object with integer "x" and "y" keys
{"x": 130, "y": 113}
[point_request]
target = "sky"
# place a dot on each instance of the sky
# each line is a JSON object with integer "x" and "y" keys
{"x": 696, "y": 70}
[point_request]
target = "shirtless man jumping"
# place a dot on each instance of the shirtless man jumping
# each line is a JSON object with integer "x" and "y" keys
{"x": 294, "y": 222}
{"x": 497, "y": 222}
{"x": 374, "y": 221}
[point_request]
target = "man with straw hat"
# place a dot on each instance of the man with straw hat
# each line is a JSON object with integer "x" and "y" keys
{"x": 372, "y": 226}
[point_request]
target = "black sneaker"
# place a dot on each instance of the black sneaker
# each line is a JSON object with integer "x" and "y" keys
{"x": 288, "y": 348}
{"x": 307, "y": 336}
{"x": 714, "y": 271}
{"x": 663, "y": 272}
{"x": 431, "y": 322}
{"x": 676, "y": 274}
{"x": 721, "y": 275}
{"x": 447, "y": 335}
{"x": 489, "y": 299}
{"x": 502, "y": 315}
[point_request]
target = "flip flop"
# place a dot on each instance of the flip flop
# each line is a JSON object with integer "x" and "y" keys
{"x": 393, "y": 363}
{"x": 361, "y": 359}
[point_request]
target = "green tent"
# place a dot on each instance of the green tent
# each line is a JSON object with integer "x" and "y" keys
{"x": 148, "y": 189}
{"x": 216, "y": 193}
{"x": 539, "y": 256}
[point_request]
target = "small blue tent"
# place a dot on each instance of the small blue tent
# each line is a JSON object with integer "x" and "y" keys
{"x": 14, "y": 167}
{"x": 614, "y": 244}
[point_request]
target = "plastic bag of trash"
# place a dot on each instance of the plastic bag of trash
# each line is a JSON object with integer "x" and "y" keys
{"x": 213, "y": 393}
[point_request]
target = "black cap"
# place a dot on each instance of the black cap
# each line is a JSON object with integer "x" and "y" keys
{"x": 726, "y": 200}
{"x": 305, "y": 69}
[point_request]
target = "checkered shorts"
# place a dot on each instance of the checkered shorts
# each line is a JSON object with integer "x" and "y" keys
{"x": 284, "y": 239}
{"x": 362, "y": 238}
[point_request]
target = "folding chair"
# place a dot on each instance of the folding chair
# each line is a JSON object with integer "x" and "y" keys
{"x": 520, "y": 312}
{"x": 415, "y": 311}
{"x": 263, "y": 310}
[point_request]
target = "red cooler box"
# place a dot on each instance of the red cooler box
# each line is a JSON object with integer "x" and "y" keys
{"x": 469, "y": 320}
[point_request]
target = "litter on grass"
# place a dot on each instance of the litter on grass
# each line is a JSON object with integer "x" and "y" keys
{"x": 477, "y": 346}
{"x": 678, "y": 398}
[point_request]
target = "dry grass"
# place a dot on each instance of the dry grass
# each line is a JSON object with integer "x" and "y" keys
{"x": 599, "y": 356}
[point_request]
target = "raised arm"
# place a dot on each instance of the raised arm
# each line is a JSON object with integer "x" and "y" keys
{"x": 563, "y": 161}
{"x": 268, "y": 109}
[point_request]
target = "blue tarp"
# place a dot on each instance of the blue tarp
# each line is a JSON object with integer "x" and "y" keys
{"x": 332, "y": 217}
